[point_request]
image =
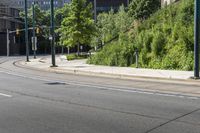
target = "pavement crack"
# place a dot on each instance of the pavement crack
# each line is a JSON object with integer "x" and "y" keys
{"x": 172, "y": 120}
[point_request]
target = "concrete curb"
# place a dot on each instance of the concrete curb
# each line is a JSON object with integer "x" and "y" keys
{"x": 109, "y": 75}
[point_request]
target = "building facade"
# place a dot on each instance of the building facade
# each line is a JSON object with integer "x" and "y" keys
{"x": 106, "y": 5}
{"x": 102, "y": 5}
{"x": 44, "y": 4}
{"x": 9, "y": 20}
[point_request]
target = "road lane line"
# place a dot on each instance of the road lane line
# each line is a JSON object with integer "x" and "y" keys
{"x": 5, "y": 95}
{"x": 111, "y": 88}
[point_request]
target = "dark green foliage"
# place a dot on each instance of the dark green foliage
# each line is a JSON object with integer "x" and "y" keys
{"x": 75, "y": 57}
{"x": 142, "y": 9}
{"x": 78, "y": 26}
{"x": 165, "y": 41}
{"x": 172, "y": 38}
{"x": 114, "y": 55}
{"x": 111, "y": 26}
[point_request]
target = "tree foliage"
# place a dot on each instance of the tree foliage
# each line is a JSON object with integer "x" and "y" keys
{"x": 142, "y": 9}
{"x": 40, "y": 16}
{"x": 112, "y": 25}
{"x": 78, "y": 27}
{"x": 164, "y": 41}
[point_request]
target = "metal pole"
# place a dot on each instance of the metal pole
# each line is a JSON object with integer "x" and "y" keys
{"x": 95, "y": 10}
{"x": 52, "y": 38}
{"x": 196, "y": 40}
{"x": 136, "y": 57}
{"x": 26, "y": 31}
{"x": 34, "y": 43}
{"x": 62, "y": 50}
{"x": 68, "y": 50}
{"x": 8, "y": 43}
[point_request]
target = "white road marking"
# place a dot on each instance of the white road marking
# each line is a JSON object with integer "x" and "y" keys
{"x": 111, "y": 88}
{"x": 193, "y": 98}
{"x": 5, "y": 95}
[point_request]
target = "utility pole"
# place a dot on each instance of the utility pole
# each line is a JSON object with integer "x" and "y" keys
{"x": 196, "y": 38}
{"x": 34, "y": 39}
{"x": 95, "y": 10}
{"x": 52, "y": 37}
{"x": 26, "y": 30}
{"x": 8, "y": 43}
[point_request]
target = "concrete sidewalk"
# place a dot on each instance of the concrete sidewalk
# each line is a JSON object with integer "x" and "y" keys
{"x": 80, "y": 67}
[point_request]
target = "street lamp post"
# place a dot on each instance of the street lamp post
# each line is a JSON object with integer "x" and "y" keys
{"x": 196, "y": 40}
{"x": 26, "y": 31}
{"x": 52, "y": 37}
{"x": 34, "y": 39}
{"x": 128, "y": 3}
{"x": 95, "y": 10}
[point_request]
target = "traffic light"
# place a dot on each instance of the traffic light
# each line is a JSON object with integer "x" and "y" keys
{"x": 37, "y": 30}
{"x": 17, "y": 32}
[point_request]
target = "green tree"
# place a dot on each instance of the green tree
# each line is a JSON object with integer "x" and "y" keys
{"x": 78, "y": 28}
{"x": 40, "y": 16}
{"x": 61, "y": 13}
{"x": 105, "y": 27}
{"x": 122, "y": 22}
{"x": 142, "y": 9}
{"x": 42, "y": 20}
{"x": 112, "y": 25}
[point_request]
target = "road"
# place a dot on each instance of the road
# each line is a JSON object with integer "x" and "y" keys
{"x": 33, "y": 101}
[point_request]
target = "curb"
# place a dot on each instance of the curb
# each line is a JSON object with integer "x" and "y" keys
{"x": 109, "y": 75}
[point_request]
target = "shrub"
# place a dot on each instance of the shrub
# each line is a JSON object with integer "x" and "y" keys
{"x": 75, "y": 56}
{"x": 164, "y": 41}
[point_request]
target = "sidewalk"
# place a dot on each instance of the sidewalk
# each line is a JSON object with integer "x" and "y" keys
{"x": 80, "y": 67}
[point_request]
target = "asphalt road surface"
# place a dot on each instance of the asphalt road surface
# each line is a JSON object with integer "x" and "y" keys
{"x": 40, "y": 102}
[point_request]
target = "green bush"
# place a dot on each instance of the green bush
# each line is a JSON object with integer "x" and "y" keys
{"x": 113, "y": 55}
{"x": 75, "y": 57}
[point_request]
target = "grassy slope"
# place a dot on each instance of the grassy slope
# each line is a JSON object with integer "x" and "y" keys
{"x": 164, "y": 41}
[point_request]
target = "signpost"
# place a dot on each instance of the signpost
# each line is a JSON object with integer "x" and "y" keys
{"x": 34, "y": 43}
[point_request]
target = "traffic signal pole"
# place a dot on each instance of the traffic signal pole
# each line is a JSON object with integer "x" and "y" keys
{"x": 196, "y": 38}
{"x": 34, "y": 41}
{"x": 26, "y": 30}
{"x": 52, "y": 37}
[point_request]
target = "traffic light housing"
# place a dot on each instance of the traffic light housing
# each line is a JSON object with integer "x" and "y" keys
{"x": 37, "y": 30}
{"x": 17, "y": 32}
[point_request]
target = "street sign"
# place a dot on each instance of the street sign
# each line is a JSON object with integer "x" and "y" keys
{"x": 34, "y": 46}
{"x": 50, "y": 38}
{"x": 32, "y": 40}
